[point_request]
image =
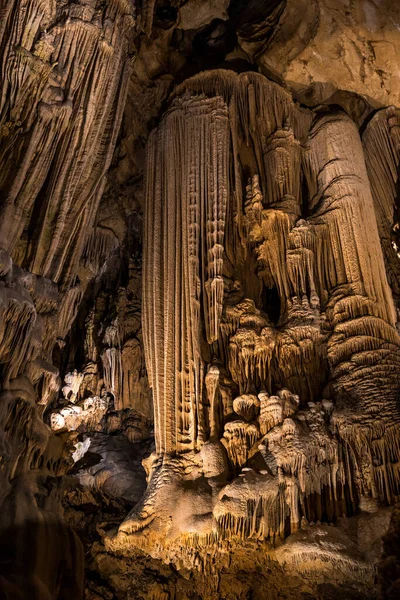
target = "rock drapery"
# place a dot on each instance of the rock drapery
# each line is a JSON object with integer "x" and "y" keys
{"x": 64, "y": 77}
{"x": 267, "y": 332}
{"x": 307, "y": 232}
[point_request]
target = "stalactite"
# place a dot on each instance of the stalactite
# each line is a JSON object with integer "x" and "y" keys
{"x": 247, "y": 406}
{"x": 59, "y": 129}
{"x": 364, "y": 347}
{"x": 68, "y": 309}
{"x": 301, "y": 352}
{"x": 172, "y": 305}
{"x": 251, "y": 88}
{"x": 18, "y": 317}
{"x": 46, "y": 380}
{"x": 301, "y": 261}
{"x": 212, "y": 385}
{"x": 274, "y": 409}
{"x": 111, "y": 359}
{"x": 239, "y": 438}
{"x": 25, "y": 445}
{"x": 341, "y": 198}
{"x": 99, "y": 246}
{"x": 282, "y": 164}
{"x": 272, "y": 251}
{"x": 250, "y": 355}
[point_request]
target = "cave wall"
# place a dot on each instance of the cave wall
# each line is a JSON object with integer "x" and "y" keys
{"x": 65, "y": 70}
{"x": 82, "y": 86}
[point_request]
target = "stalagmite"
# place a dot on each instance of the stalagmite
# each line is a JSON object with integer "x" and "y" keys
{"x": 86, "y": 414}
{"x": 72, "y": 383}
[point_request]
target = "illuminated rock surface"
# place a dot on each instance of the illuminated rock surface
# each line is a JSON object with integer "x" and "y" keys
{"x": 199, "y": 299}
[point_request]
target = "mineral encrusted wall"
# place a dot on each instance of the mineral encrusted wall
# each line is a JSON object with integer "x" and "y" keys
{"x": 64, "y": 76}
{"x": 299, "y": 407}
{"x": 266, "y": 233}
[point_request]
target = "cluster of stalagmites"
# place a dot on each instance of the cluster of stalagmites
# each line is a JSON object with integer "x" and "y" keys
{"x": 77, "y": 414}
{"x": 269, "y": 323}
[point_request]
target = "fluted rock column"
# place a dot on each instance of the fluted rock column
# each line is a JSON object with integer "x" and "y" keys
{"x": 186, "y": 198}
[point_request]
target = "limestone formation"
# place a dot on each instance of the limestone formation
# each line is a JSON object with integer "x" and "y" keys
{"x": 58, "y": 128}
{"x": 281, "y": 287}
{"x": 199, "y": 299}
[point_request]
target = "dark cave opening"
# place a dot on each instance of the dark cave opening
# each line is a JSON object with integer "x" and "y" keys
{"x": 396, "y": 214}
{"x": 271, "y": 303}
{"x": 305, "y": 197}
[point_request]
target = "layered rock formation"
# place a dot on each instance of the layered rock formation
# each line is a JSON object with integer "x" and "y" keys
{"x": 247, "y": 350}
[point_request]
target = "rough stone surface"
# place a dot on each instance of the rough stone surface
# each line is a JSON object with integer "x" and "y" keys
{"x": 199, "y": 299}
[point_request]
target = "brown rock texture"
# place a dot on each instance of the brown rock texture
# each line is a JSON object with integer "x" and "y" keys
{"x": 199, "y": 299}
